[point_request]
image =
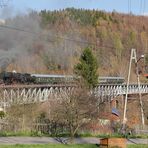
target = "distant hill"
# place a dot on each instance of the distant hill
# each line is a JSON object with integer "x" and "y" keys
{"x": 60, "y": 36}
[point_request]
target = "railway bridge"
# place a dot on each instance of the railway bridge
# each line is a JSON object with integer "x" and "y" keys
{"x": 24, "y": 94}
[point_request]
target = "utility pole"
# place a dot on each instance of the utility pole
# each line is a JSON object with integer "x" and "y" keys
{"x": 133, "y": 57}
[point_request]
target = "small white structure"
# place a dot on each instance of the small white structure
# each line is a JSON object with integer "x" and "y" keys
{"x": 2, "y": 21}
{"x": 14, "y": 71}
{"x": 1, "y": 109}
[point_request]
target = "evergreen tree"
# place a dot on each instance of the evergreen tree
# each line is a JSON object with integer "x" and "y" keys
{"x": 87, "y": 68}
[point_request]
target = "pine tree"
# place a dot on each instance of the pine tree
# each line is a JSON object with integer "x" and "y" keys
{"x": 87, "y": 68}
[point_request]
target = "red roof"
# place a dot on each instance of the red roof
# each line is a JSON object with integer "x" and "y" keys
{"x": 146, "y": 74}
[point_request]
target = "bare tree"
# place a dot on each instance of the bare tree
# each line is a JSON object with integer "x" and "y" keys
{"x": 74, "y": 110}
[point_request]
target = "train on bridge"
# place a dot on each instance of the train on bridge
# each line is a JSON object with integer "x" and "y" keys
{"x": 10, "y": 78}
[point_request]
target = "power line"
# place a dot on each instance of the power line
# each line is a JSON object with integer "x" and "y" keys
{"x": 35, "y": 33}
{"x": 17, "y": 29}
{"x": 55, "y": 37}
{"x": 129, "y": 12}
{"x": 144, "y": 6}
{"x": 129, "y": 6}
{"x": 140, "y": 7}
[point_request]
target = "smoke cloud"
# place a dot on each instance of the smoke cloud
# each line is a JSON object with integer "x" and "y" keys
{"x": 27, "y": 47}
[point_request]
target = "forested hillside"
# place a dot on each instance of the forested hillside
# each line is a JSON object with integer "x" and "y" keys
{"x": 52, "y": 41}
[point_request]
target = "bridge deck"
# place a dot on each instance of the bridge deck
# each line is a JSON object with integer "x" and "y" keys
{"x": 35, "y": 86}
{"x": 39, "y": 93}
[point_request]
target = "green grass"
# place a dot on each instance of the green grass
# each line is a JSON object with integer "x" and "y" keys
{"x": 110, "y": 136}
{"x": 49, "y": 146}
{"x": 23, "y": 133}
{"x": 144, "y": 136}
{"x": 39, "y": 134}
{"x": 138, "y": 146}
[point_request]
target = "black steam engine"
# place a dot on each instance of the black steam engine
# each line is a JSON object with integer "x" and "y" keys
{"x": 16, "y": 78}
{"x": 10, "y": 78}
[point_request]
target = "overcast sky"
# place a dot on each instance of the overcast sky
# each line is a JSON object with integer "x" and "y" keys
{"x": 21, "y": 6}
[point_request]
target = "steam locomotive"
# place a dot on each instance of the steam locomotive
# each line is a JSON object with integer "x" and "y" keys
{"x": 9, "y": 78}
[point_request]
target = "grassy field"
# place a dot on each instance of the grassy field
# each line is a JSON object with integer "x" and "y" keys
{"x": 138, "y": 146}
{"x": 64, "y": 146}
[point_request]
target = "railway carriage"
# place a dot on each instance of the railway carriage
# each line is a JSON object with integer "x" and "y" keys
{"x": 9, "y": 78}
{"x": 53, "y": 79}
{"x": 111, "y": 80}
